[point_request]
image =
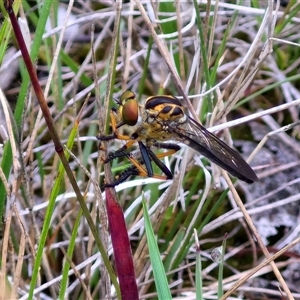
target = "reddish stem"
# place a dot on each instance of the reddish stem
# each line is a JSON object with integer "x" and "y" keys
{"x": 121, "y": 246}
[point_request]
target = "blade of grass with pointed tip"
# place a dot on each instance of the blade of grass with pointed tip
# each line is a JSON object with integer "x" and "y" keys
{"x": 198, "y": 271}
{"x": 159, "y": 273}
{"x": 66, "y": 267}
{"x": 221, "y": 269}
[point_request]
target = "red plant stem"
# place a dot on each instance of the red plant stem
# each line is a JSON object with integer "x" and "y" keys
{"x": 121, "y": 246}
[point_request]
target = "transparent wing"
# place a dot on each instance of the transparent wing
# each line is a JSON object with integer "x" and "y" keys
{"x": 197, "y": 137}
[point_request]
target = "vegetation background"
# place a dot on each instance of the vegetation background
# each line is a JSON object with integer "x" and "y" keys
{"x": 238, "y": 63}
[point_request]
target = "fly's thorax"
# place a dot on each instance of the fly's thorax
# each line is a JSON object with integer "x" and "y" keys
{"x": 151, "y": 127}
{"x": 159, "y": 116}
{"x": 165, "y": 109}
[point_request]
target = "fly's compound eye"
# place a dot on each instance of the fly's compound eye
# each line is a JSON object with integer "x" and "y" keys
{"x": 130, "y": 112}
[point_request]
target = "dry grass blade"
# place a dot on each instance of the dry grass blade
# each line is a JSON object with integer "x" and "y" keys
{"x": 256, "y": 234}
{"x": 5, "y": 247}
{"x": 259, "y": 267}
{"x": 166, "y": 55}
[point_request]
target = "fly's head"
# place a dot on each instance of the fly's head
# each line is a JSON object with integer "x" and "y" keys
{"x": 128, "y": 109}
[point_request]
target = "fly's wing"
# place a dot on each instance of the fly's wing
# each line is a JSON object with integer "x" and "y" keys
{"x": 197, "y": 137}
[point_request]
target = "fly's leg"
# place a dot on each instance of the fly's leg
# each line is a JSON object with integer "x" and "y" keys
{"x": 168, "y": 146}
{"x": 115, "y": 126}
{"x": 161, "y": 165}
{"x": 120, "y": 152}
{"x": 131, "y": 171}
{"x": 145, "y": 152}
{"x": 137, "y": 168}
{"x": 173, "y": 148}
{"x": 115, "y": 135}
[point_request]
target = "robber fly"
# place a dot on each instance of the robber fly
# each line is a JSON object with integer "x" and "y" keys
{"x": 162, "y": 119}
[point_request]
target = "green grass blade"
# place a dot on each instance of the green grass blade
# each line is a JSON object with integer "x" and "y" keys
{"x": 66, "y": 267}
{"x": 199, "y": 283}
{"x": 160, "y": 277}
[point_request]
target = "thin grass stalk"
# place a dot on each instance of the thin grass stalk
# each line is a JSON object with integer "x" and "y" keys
{"x": 255, "y": 232}
{"x": 145, "y": 70}
{"x": 272, "y": 258}
{"x": 4, "y": 254}
{"x": 180, "y": 43}
{"x": 221, "y": 268}
{"x": 20, "y": 261}
{"x": 104, "y": 282}
{"x": 69, "y": 254}
{"x": 203, "y": 45}
{"x": 199, "y": 280}
{"x": 165, "y": 54}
